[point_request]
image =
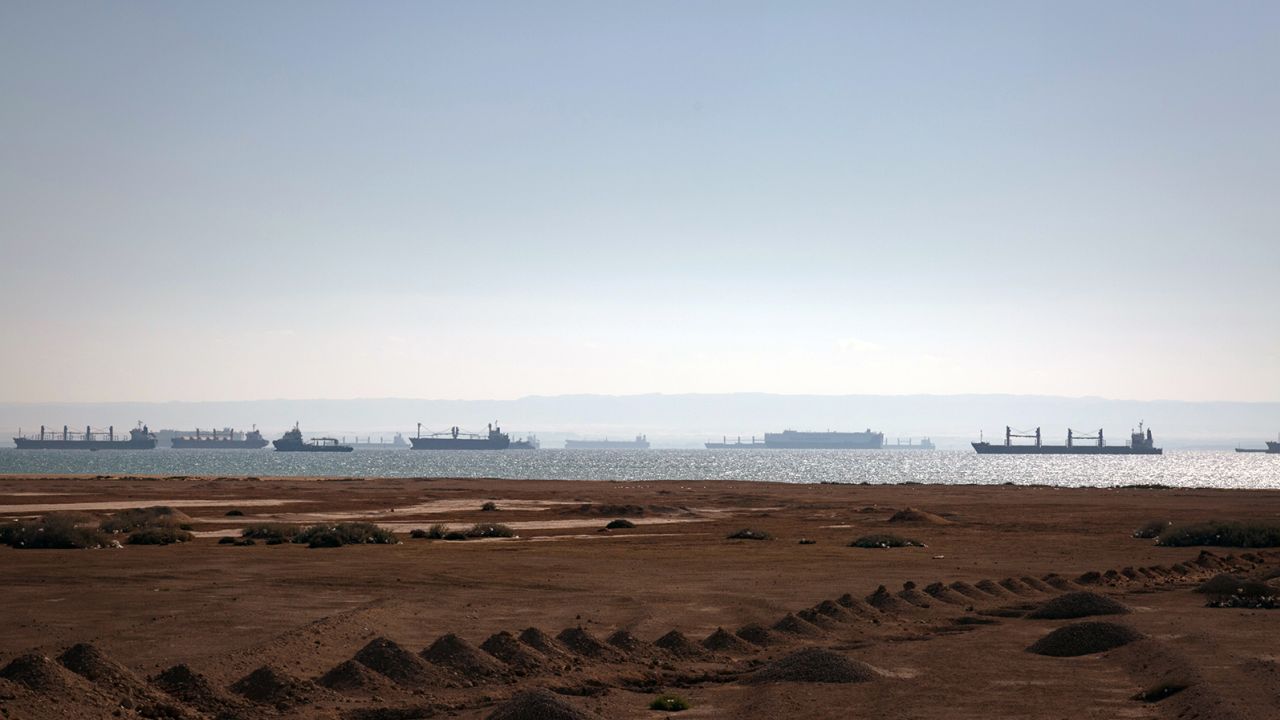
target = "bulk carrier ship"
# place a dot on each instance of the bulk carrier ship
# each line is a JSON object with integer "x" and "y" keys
{"x": 224, "y": 439}
{"x": 795, "y": 440}
{"x": 140, "y": 438}
{"x": 640, "y": 443}
{"x": 1139, "y": 444}
{"x": 455, "y": 439}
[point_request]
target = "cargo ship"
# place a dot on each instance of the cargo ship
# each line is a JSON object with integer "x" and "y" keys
{"x": 292, "y": 442}
{"x": 1273, "y": 446}
{"x": 224, "y": 439}
{"x": 796, "y": 440}
{"x": 140, "y": 438}
{"x": 910, "y": 444}
{"x": 640, "y": 443}
{"x": 1140, "y": 443}
{"x": 455, "y": 439}
{"x": 528, "y": 443}
{"x": 397, "y": 443}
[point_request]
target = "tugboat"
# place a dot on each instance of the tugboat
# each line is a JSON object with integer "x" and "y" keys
{"x": 140, "y": 438}
{"x": 1139, "y": 444}
{"x": 455, "y": 439}
{"x": 292, "y": 442}
{"x": 220, "y": 439}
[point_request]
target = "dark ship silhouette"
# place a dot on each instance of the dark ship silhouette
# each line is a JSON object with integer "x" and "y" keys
{"x": 292, "y": 442}
{"x": 795, "y": 440}
{"x": 225, "y": 439}
{"x": 1139, "y": 444}
{"x": 455, "y": 439}
{"x": 140, "y": 438}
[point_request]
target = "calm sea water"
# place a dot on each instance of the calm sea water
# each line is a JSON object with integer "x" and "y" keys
{"x": 1182, "y": 469}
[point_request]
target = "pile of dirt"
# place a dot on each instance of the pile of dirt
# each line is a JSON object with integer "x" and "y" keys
{"x": 350, "y": 676}
{"x": 627, "y": 643}
{"x": 944, "y": 594}
{"x": 992, "y": 588}
{"x": 680, "y": 646}
{"x": 1016, "y": 587}
{"x": 1058, "y": 582}
{"x": 724, "y": 641}
{"x": 1092, "y": 577}
{"x": 194, "y": 689}
{"x": 462, "y": 658}
{"x": 37, "y": 672}
{"x": 885, "y": 602}
{"x": 1035, "y": 584}
{"x": 858, "y": 606}
{"x": 1084, "y": 638}
{"x": 963, "y": 588}
{"x": 813, "y": 665}
{"x": 403, "y": 667}
{"x": 817, "y": 619}
{"x": 508, "y": 649}
{"x": 912, "y": 515}
{"x": 538, "y": 705}
{"x": 1078, "y": 604}
{"x": 910, "y": 594}
{"x": 92, "y": 664}
{"x": 542, "y": 642}
{"x": 1209, "y": 561}
{"x": 583, "y": 643}
{"x": 1221, "y": 584}
{"x": 756, "y": 634}
{"x": 268, "y": 686}
{"x": 792, "y": 625}
{"x": 833, "y": 610}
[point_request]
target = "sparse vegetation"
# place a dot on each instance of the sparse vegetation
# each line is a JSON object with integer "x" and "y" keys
{"x": 159, "y": 535}
{"x": 750, "y": 534}
{"x": 620, "y": 524}
{"x": 669, "y": 703}
{"x": 1151, "y": 530}
{"x": 454, "y": 535}
{"x": 235, "y": 513}
{"x": 53, "y": 531}
{"x": 490, "y": 530}
{"x": 490, "y": 506}
{"x": 140, "y": 518}
{"x": 348, "y": 533}
{"x": 271, "y": 533}
{"x": 1222, "y": 534}
{"x": 885, "y": 541}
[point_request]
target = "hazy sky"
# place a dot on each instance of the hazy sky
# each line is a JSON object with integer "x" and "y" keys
{"x": 236, "y": 200}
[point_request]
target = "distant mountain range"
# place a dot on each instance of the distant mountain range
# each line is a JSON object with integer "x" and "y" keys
{"x": 689, "y": 420}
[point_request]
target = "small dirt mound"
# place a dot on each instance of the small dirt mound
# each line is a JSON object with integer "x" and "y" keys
{"x": 542, "y": 642}
{"x": 1221, "y": 584}
{"x": 508, "y": 649}
{"x": 462, "y": 658}
{"x": 268, "y": 686}
{"x": 388, "y": 658}
{"x": 832, "y": 609}
{"x": 626, "y": 642}
{"x": 1077, "y": 605}
{"x": 1058, "y": 582}
{"x": 350, "y": 676}
{"x": 1084, "y": 638}
{"x": 944, "y": 594}
{"x": 1016, "y": 587}
{"x": 677, "y": 644}
{"x": 858, "y": 607}
{"x": 92, "y": 664}
{"x": 1036, "y": 584}
{"x": 583, "y": 643}
{"x": 992, "y": 588}
{"x": 910, "y": 594}
{"x": 724, "y": 641}
{"x": 885, "y": 602}
{"x": 969, "y": 591}
{"x": 813, "y": 665}
{"x": 194, "y": 689}
{"x": 912, "y": 515}
{"x": 37, "y": 672}
{"x": 1092, "y": 577}
{"x": 792, "y": 625}
{"x": 538, "y": 705}
{"x": 813, "y": 617}
{"x": 756, "y": 634}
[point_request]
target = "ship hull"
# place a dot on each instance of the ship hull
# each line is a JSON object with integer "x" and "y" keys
{"x": 190, "y": 444}
{"x": 307, "y": 447}
{"x": 1273, "y": 447}
{"x": 605, "y": 445}
{"x": 450, "y": 443}
{"x": 33, "y": 444}
{"x": 989, "y": 449}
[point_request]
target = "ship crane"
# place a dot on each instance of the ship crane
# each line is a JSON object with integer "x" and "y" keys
{"x": 1009, "y": 435}
{"x": 1072, "y": 437}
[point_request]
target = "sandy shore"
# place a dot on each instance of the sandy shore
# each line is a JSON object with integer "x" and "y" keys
{"x": 225, "y": 611}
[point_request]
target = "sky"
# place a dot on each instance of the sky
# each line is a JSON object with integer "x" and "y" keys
{"x": 487, "y": 200}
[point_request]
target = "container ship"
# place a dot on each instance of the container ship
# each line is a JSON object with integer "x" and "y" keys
{"x": 795, "y": 440}
{"x": 140, "y": 438}
{"x": 640, "y": 443}
{"x": 224, "y": 439}
{"x": 455, "y": 439}
{"x": 292, "y": 442}
{"x": 1140, "y": 443}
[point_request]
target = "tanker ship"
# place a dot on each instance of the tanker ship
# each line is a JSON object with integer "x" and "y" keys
{"x": 640, "y": 443}
{"x": 224, "y": 439}
{"x": 140, "y": 438}
{"x": 292, "y": 442}
{"x": 795, "y": 440}
{"x": 455, "y": 439}
{"x": 1140, "y": 443}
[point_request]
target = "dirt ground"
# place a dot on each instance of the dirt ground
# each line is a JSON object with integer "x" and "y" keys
{"x": 225, "y": 611}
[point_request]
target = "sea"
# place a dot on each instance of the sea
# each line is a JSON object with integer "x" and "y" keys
{"x": 1201, "y": 469}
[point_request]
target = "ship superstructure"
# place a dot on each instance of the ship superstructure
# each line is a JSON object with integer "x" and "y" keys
{"x": 1140, "y": 443}
{"x": 140, "y": 438}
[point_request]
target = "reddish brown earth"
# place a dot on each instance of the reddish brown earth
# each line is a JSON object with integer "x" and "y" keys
{"x": 226, "y": 612}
